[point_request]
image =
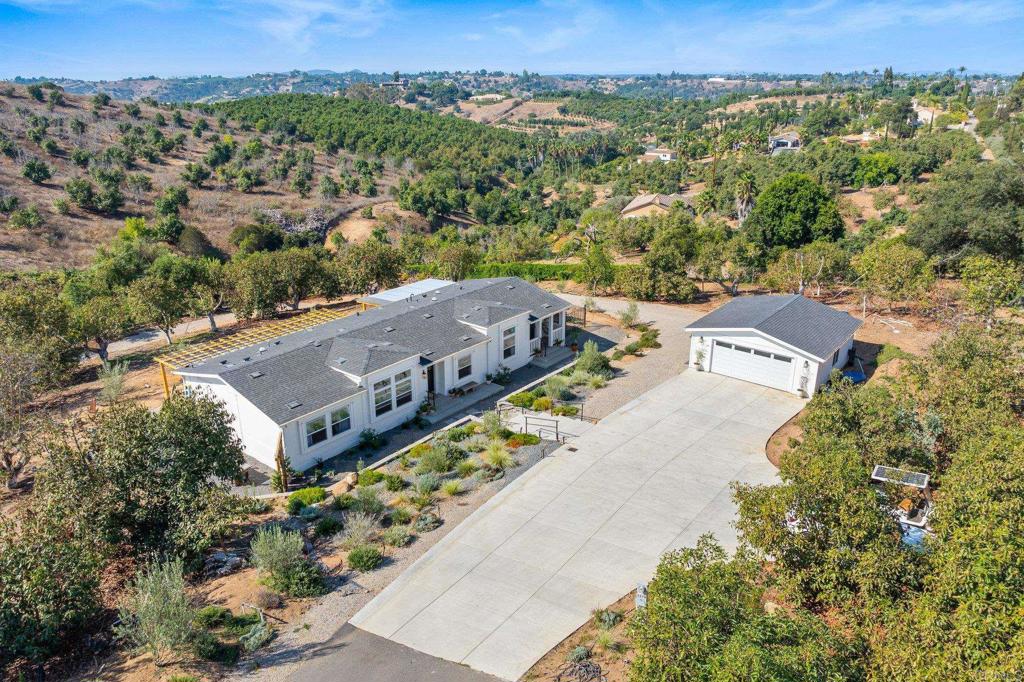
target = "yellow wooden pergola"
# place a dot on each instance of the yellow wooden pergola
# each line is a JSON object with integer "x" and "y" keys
{"x": 201, "y": 352}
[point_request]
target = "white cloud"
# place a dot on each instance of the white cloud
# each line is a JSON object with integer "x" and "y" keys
{"x": 473, "y": 37}
{"x": 551, "y": 24}
{"x": 301, "y": 22}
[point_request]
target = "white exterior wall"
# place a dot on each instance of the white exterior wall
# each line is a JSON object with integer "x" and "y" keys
{"x": 257, "y": 431}
{"x": 803, "y": 365}
{"x": 495, "y": 347}
{"x": 303, "y": 457}
{"x": 479, "y": 373}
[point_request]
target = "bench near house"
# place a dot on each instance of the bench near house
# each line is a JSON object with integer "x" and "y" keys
{"x": 317, "y": 389}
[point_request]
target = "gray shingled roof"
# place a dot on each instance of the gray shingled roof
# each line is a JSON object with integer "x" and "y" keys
{"x": 812, "y": 327}
{"x": 305, "y": 367}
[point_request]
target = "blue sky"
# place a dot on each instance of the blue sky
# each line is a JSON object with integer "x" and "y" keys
{"x": 106, "y": 39}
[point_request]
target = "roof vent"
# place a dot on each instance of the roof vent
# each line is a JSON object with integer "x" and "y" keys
{"x": 427, "y": 353}
{"x": 317, "y": 343}
{"x": 277, "y": 343}
{"x": 255, "y": 375}
{"x": 245, "y": 359}
{"x": 293, "y": 404}
{"x": 547, "y": 305}
{"x": 261, "y": 349}
{"x": 389, "y": 329}
{"x": 510, "y": 286}
{"x": 341, "y": 361}
{"x": 427, "y": 316}
{"x": 433, "y": 298}
{"x": 223, "y": 362}
{"x": 465, "y": 338}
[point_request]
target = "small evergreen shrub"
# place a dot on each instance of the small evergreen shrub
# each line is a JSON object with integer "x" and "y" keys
{"x": 593, "y": 361}
{"x": 520, "y": 439}
{"x": 523, "y": 399}
{"x": 368, "y": 501}
{"x": 369, "y": 477}
{"x": 566, "y": 411}
{"x": 400, "y": 516}
{"x": 427, "y": 522}
{"x": 344, "y": 501}
{"x": 466, "y": 468}
{"x": 393, "y": 482}
{"x": 305, "y": 497}
{"x": 360, "y": 529}
{"x": 364, "y": 558}
{"x": 327, "y": 527}
{"x": 451, "y": 488}
{"x": 396, "y": 536}
{"x": 541, "y": 404}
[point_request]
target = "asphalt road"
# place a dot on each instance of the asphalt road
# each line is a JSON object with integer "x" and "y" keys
{"x": 354, "y": 655}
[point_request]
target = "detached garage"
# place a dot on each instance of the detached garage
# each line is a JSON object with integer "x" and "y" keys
{"x": 786, "y": 342}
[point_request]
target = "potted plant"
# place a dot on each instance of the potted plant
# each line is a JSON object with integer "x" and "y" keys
{"x": 699, "y": 357}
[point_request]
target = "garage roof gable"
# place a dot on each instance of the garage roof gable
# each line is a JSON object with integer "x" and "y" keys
{"x": 794, "y": 320}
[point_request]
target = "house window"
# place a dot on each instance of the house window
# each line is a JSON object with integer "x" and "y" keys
{"x": 341, "y": 421}
{"x": 533, "y": 330}
{"x": 403, "y": 388}
{"x": 382, "y": 397}
{"x": 465, "y": 366}
{"x": 508, "y": 343}
{"x": 835, "y": 357}
{"x": 316, "y": 431}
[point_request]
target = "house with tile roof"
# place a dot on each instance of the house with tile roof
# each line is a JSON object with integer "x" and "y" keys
{"x": 644, "y": 205}
{"x": 788, "y": 342}
{"x": 315, "y": 390}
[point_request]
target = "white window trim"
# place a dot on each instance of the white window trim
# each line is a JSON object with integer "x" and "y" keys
{"x": 396, "y": 382}
{"x": 458, "y": 369}
{"x": 391, "y": 397}
{"x": 309, "y": 434}
{"x": 505, "y": 335}
{"x": 348, "y": 418}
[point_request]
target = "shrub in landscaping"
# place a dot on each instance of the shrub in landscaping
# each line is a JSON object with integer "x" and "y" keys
{"x": 497, "y": 456}
{"x": 368, "y": 477}
{"x": 158, "y": 616}
{"x": 422, "y": 500}
{"x": 607, "y": 618}
{"x": 597, "y": 381}
{"x": 439, "y": 459}
{"x": 632, "y": 348}
{"x": 326, "y": 527}
{"x": 630, "y": 315}
{"x": 364, "y": 558}
{"x": 593, "y": 361}
{"x": 467, "y": 467}
{"x": 393, "y": 482}
{"x": 474, "y": 444}
{"x": 565, "y": 411}
{"x": 542, "y": 404}
{"x": 557, "y": 388}
{"x": 371, "y": 440}
{"x": 309, "y": 513}
{"x": 360, "y": 529}
{"x": 419, "y": 450}
{"x": 522, "y": 399}
{"x": 212, "y": 616}
{"x": 396, "y": 536}
{"x": 580, "y": 377}
{"x": 451, "y": 488}
{"x": 520, "y": 439}
{"x": 649, "y": 339}
{"x": 267, "y": 599}
{"x": 427, "y": 522}
{"x": 490, "y": 423}
{"x": 578, "y": 654}
{"x": 427, "y": 483}
{"x": 278, "y": 553}
{"x": 458, "y": 434}
{"x": 344, "y": 501}
{"x": 368, "y": 501}
{"x": 618, "y": 354}
{"x": 305, "y": 497}
{"x": 400, "y": 516}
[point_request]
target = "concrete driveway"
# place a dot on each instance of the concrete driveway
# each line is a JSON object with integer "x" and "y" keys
{"x": 584, "y": 526}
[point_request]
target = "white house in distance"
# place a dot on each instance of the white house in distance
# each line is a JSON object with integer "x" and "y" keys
{"x": 787, "y": 342}
{"x": 315, "y": 390}
{"x": 658, "y": 154}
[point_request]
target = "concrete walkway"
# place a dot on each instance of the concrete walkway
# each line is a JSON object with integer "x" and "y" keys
{"x": 584, "y": 526}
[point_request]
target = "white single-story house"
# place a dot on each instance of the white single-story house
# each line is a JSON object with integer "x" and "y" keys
{"x": 644, "y": 205}
{"x": 786, "y": 142}
{"x": 315, "y": 390}
{"x": 658, "y": 154}
{"x": 787, "y": 342}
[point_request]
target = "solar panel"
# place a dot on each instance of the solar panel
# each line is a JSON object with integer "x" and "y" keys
{"x": 886, "y": 474}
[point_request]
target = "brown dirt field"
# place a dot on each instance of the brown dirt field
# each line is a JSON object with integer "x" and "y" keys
{"x": 614, "y": 662}
{"x": 71, "y": 240}
{"x": 863, "y": 203}
{"x": 355, "y": 228}
{"x": 751, "y": 105}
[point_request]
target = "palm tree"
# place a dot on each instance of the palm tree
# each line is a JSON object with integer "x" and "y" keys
{"x": 744, "y": 196}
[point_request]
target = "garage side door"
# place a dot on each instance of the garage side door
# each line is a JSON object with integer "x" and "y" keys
{"x": 748, "y": 364}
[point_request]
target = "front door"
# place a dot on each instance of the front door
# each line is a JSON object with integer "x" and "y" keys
{"x": 545, "y": 337}
{"x": 431, "y": 384}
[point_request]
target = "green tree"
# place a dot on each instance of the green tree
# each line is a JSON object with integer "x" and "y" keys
{"x": 34, "y": 316}
{"x": 596, "y": 269}
{"x": 793, "y": 211}
{"x": 894, "y": 271}
{"x": 142, "y": 481}
{"x": 371, "y": 266}
{"x": 161, "y": 298}
{"x": 36, "y": 171}
{"x": 195, "y": 174}
{"x": 300, "y": 271}
{"x": 990, "y": 283}
{"x": 254, "y": 289}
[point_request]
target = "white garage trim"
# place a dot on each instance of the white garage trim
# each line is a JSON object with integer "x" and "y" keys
{"x": 771, "y": 339}
{"x": 752, "y": 364}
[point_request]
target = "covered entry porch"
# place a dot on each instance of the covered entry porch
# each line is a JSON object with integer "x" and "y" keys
{"x": 546, "y": 332}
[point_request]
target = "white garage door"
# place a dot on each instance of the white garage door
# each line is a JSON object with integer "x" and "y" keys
{"x": 749, "y": 364}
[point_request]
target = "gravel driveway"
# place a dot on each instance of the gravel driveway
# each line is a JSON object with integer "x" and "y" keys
{"x": 584, "y": 526}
